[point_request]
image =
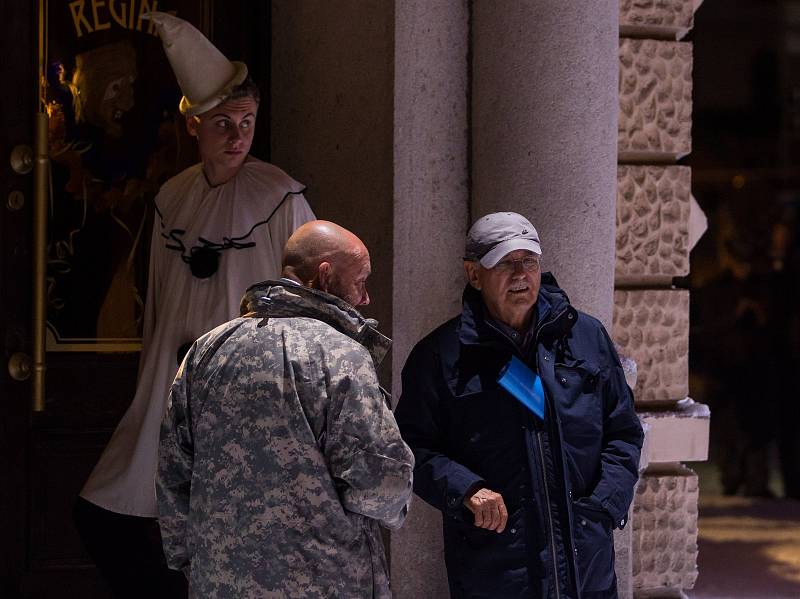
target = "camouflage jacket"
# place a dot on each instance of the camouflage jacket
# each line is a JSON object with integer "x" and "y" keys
{"x": 280, "y": 455}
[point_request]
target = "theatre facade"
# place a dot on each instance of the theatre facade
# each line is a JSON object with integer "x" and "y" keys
{"x": 406, "y": 120}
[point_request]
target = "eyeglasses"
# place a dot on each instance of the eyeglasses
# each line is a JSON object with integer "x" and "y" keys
{"x": 529, "y": 263}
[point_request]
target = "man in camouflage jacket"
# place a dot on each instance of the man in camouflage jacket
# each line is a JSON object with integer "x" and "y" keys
{"x": 279, "y": 453}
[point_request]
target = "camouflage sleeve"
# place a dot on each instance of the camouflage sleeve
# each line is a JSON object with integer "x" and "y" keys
{"x": 173, "y": 479}
{"x": 368, "y": 459}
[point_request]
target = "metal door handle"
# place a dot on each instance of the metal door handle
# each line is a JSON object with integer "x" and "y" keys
{"x": 20, "y": 366}
{"x": 41, "y": 173}
{"x": 21, "y": 159}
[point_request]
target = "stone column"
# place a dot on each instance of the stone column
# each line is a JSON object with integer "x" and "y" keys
{"x": 651, "y": 317}
{"x": 430, "y": 221}
{"x": 369, "y": 109}
{"x": 545, "y": 106}
{"x": 332, "y": 107}
{"x": 544, "y": 102}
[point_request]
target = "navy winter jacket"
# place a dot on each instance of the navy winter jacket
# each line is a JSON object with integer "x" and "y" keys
{"x": 567, "y": 481}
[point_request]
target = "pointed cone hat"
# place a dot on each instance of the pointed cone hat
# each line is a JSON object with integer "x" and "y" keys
{"x": 204, "y": 75}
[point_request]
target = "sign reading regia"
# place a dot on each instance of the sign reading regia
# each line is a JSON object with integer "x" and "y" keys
{"x": 89, "y": 16}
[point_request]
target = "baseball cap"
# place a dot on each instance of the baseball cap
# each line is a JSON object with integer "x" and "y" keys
{"x": 493, "y": 236}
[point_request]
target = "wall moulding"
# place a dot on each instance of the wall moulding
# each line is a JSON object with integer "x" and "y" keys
{"x": 655, "y": 96}
{"x": 658, "y": 19}
{"x": 679, "y": 435}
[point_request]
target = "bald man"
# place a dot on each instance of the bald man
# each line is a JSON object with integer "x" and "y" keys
{"x": 322, "y": 255}
{"x": 280, "y": 457}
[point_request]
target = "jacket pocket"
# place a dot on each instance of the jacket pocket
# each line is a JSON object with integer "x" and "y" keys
{"x": 579, "y": 401}
{"x": 484, "y": 563}
{"x": 594, "y": 545}
{"x": 578, "y": 387}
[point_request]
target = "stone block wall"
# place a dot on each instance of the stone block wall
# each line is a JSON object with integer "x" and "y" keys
{"x": 655, "y": 97}
{"x": 652, "y": 327}
{"x": 651, "y": 317}
{"x": 665, "y": 531}
{"x": 653, "y": 207}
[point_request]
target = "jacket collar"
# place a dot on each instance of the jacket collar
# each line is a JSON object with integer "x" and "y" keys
{"x": 287, "y": 299}
{"x": 555, "y": 316}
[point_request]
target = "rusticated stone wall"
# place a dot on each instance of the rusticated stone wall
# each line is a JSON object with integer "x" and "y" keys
{"x": 655, "y": 97}
{"x": 652, "y": 326}
{"x": 665, "y": 531}
{"x": 652, "y": 221}
{"x": 651, "y": 317}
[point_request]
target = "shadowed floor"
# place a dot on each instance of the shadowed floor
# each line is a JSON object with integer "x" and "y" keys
{"x": 749, "y": 547}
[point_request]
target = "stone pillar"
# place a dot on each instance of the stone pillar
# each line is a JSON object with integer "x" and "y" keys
{"x": 651, "y": 317}
{"x": 332, "y": 107}
{"x": 545, "y": 106}
{"x": 430, "y": 221}
{"x": 544, "y": 116}
{"x": 369, "y": 109}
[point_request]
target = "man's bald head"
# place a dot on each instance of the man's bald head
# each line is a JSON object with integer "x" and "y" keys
{"x": 322, "y": 255}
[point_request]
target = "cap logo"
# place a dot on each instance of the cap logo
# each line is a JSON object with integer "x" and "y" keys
{"x": 524, "y": 231}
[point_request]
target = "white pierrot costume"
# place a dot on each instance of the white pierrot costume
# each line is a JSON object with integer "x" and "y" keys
{"x": 209, "y": 245}
{"x": 181, "y": 307}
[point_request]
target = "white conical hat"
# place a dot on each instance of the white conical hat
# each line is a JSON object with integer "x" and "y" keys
{"x": 203, "y": 73}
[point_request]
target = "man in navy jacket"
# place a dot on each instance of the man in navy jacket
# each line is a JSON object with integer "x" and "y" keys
{"x": 529, "y": 501}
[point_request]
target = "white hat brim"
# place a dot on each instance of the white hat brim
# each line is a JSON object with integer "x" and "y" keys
{"x": 493, "y": 256}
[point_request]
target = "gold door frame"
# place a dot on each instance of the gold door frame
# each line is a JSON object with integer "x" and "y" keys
{"x": 41, "y": 170}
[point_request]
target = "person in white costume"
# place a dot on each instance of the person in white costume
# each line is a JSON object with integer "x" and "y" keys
{"x": 220, "y": 226}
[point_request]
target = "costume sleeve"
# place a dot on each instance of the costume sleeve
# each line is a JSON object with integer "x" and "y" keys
{"x": 301, "y": 211}
{"x": 154, "y": 269}
{"x": 175, "y": 460}
{"x": 368, "y": 460}
{"x": 622, "y": 442}
{"x": 438, "y": 479}
{"x": 294, "y": 212}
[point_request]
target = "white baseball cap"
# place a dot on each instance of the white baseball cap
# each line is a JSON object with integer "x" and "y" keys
{"x": 493, "y": 236}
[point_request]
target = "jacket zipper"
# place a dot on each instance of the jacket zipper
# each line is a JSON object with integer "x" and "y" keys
{"x": 546, "y": 324}
{"x": 549, "y": 515}
{"x": 544, "y": 473}
{"x": 541, "y": 460}
{"x": 541, "y": 453}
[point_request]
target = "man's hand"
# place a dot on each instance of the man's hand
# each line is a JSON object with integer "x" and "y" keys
{"x": 489, "y": 509}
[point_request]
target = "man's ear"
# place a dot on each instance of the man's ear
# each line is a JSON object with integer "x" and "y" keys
{"x": 471, "y": 270}
{"x": 324, "y": 276}
{"x": 191, "y": 125}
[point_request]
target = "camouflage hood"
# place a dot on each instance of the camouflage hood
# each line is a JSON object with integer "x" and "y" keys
{"x": 283, "y": 299}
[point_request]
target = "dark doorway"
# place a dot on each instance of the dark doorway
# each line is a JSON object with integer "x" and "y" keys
{"x": 47, "y": 455}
